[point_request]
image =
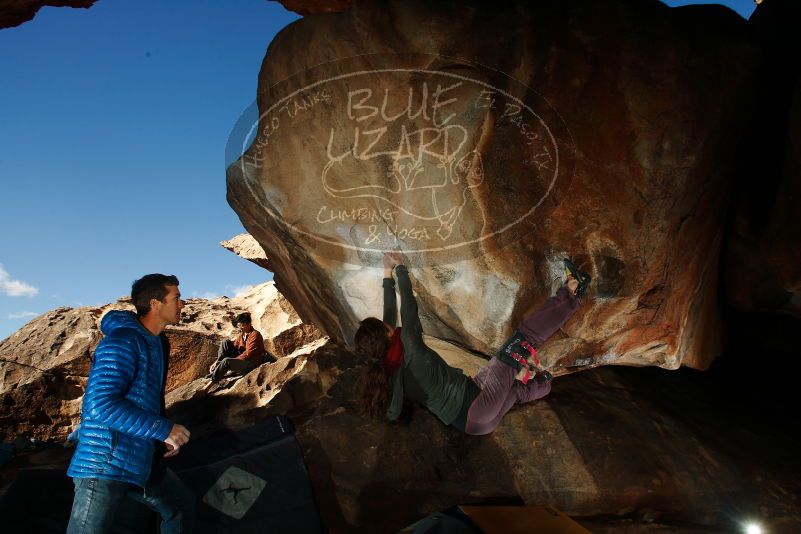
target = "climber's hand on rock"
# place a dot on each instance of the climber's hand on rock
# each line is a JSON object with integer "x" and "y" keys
{"x": 572, "y": 284}
{"x": 392, "y": 259}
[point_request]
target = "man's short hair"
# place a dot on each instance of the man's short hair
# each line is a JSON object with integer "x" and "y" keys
{"x": 242, "y": 318}
{"x": 150, "y": 286}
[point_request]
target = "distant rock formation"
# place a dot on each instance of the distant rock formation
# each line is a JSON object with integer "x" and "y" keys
{"x": 244, "y": 246}
{"x": 490, "y": 146}
{"x": 45, "y": 364}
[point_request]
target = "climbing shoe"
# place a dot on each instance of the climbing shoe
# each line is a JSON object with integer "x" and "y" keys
{"x": 583, "y": 278}
{"x": 543, "y": 377}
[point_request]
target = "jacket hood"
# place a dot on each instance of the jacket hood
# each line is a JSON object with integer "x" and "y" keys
{"x": 117, "y": 319}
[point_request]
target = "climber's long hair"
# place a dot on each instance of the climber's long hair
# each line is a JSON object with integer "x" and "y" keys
{"x": 371, "y": 344}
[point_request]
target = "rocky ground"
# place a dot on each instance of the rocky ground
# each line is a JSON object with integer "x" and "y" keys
{"x": 45, "y": 364}
{"x": 620, "y": 449}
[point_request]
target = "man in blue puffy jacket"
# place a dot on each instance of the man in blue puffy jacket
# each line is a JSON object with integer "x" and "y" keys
{"x": 122, "y": 418}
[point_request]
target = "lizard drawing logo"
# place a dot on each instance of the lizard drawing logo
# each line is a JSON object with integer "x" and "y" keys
{"x": 234, "y": 492}
{"x": 440, "y": 178}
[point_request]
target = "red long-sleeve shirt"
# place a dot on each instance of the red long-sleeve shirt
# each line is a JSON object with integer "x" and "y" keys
{"x": 251, "y": 348}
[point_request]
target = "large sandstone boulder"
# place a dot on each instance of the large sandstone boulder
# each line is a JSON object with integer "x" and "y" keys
{"x": 488, "y": 144}
{"x": 45, "y": 364}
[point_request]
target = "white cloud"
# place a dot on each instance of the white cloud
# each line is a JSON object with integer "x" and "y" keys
{"x": 237, "y": 291}
{"x": 15, "y": 288}
{"x": 229, "y": 290}
{"x": 22, "y": 315}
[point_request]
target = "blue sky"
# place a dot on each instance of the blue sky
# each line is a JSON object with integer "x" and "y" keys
{"x": 113, "y": 125}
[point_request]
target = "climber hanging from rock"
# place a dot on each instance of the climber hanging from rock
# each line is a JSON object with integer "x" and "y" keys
{"x": 399, "y": 364}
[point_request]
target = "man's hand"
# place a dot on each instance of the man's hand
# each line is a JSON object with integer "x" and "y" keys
{"x": 179, "y": 436}
{"x": 171, "y": 451}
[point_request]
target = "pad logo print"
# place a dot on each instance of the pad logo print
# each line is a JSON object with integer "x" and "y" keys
{"x": 235, "y": 492}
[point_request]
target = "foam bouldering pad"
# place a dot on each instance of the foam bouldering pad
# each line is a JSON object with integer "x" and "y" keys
{"x": 522, "y": 519}
{"x": 252, "y": 480}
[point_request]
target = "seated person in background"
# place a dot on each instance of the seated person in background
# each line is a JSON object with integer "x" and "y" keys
{"x": 241, "y": 356}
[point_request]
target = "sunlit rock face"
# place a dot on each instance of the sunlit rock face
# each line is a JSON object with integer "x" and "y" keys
{"x": 488, "y": 144}
{"x": 45, "y": 364}
{"x": 244, "y": 246}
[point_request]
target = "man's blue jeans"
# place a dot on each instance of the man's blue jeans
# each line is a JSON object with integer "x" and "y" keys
{"x": 97, "y": 500}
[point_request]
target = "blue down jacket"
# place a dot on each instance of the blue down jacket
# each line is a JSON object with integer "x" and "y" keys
{"x": 120, "y": 416}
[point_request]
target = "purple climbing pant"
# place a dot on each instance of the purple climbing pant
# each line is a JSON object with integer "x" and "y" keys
{"x": 499, "y": 389}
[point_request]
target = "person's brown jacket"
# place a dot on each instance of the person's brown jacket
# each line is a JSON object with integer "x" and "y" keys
{"x": 253, "y": 349}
